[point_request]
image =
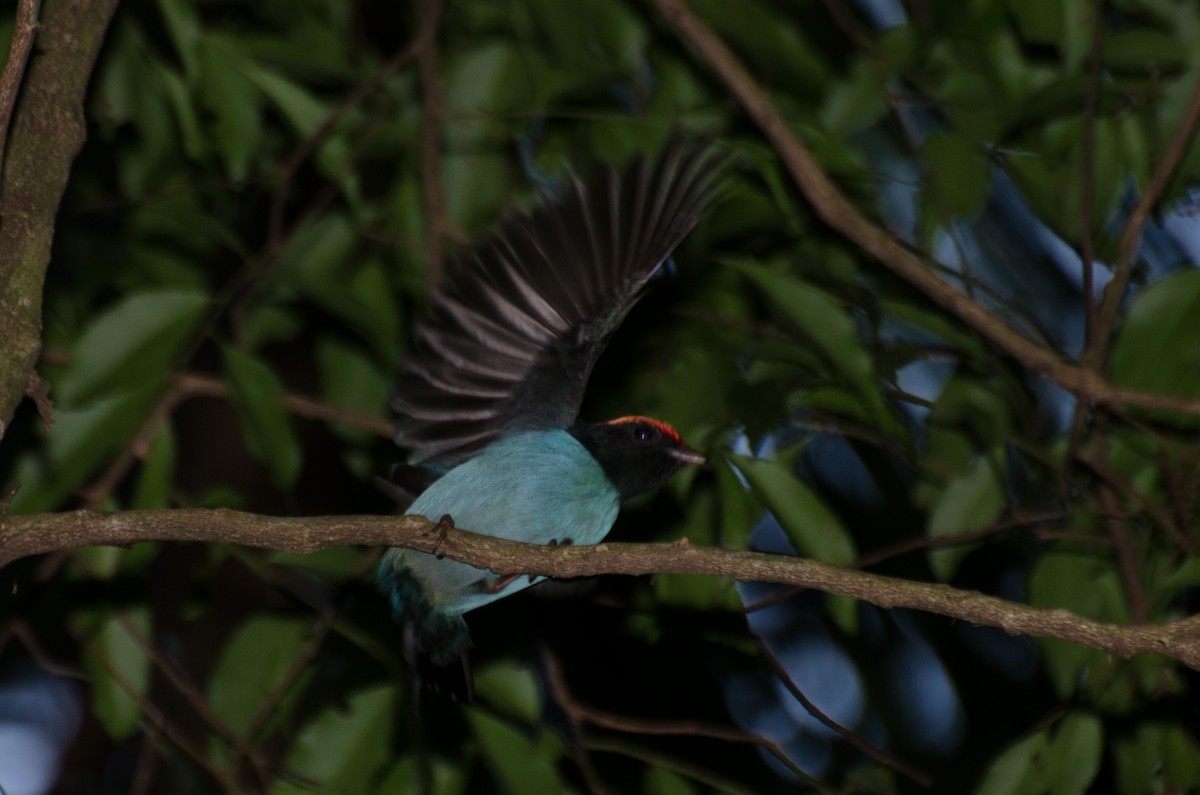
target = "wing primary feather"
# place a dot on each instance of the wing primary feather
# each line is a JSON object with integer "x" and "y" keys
{"x": 512, "y": 341}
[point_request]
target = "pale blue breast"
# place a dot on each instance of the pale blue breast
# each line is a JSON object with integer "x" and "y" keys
{"x": 539, "y": 486}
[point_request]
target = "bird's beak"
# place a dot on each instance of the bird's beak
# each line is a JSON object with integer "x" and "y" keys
{"x": 687, "y": 455}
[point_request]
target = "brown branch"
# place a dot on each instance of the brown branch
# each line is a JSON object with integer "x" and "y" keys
{"x": 1127, "y": 562}
{"x": 46, "y": 132}
{"x": 1156, "y": 512}
{"x": 30, "y": 535}
{"x": 861, "y": 743}
{"x": 835, "y": 209}
{"x": 191, "y": 385}
{"x": 1131, "y": 235}
{"x": 562, "y": 695}
{"x": 198, "y": 385}
{"x": 196, "y": 700}
{"x": 25, "y": 29}
{"x": 160, "y": 726}
{"x": 579, "y": 714}
{"x": 271, "y": 701}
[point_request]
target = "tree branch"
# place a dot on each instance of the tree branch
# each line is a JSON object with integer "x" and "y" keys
{"x": 832, "y": 207}
{"x": 31, "y": 535}
{"x": 46, "y": 133}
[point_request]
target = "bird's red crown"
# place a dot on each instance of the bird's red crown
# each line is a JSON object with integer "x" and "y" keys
{"x": 666, "y": 429}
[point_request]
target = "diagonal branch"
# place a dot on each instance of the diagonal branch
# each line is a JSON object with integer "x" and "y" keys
{"x": 839, "y": 213}
{"x": 1131, "y": 235}
{"x": 29, "y": 535}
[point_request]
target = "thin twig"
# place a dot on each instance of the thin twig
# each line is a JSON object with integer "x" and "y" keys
{"x": 1131, "y": 234}
{"x": 270, "y": 702}
{"x": 881, "y": 756}
{"x": 148, "y": 754}
{"x": 196, "y": 385}
{"x": 1127, "y": 562}
{"x": 562, "y": 696}
{"x": 191, "y": 385}
{"x": 1156, "y": 512}
{"x": 198, "y": 702}
{"x": 581, "y": 713}
{"x": 685, "y": 768}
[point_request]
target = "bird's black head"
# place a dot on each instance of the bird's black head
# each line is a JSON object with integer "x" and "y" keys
{"x": 638, "y": 454}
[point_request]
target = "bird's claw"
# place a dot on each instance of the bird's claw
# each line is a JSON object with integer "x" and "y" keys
{"x": 441, "y": 529}
{"x": 499, "y": 584}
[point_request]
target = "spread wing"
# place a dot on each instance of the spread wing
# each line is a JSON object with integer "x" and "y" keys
{"x": 512, "y": 342}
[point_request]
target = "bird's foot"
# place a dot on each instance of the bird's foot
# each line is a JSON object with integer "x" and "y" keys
{"x": 441, "y": 529}
{"x": 500, "y": 583}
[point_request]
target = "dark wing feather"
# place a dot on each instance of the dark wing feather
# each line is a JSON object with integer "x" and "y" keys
{"x": 511, "y": 344}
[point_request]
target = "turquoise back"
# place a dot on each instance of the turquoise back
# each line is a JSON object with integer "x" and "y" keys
{"x": 538, "y": 486}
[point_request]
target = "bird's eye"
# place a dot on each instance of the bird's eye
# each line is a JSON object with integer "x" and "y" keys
{"x": 643, "y": 434}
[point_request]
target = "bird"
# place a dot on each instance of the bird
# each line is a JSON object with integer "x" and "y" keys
{"x": 490, "y": 392}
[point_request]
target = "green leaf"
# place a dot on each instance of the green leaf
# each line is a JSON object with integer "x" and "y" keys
{"x": 345, "y": 748}
{"x": 404, "y": 777}
{"x": 266, "y": 426}
{"x": 157, "y": 472}
{"x": 1143, "y": 50}
{"x": 855, "y": 103}
{"x": 970, "y": 501}
{"x": 810, "y": 524}
{"x": 131, "y": 344}
{"x": 1073, "y": 756}
{"x": 1158, "y": 347}
{"x": 519, "y": 762}
{"x": 663, "y": 782}
{"x": 234, "y": 102}
{"x": 251, "y": 665}
{"x": 695, "y": 592}
{"x": 960, "y": 175}
{"x": 512, "y": 689}
{"x": 1089, "y": 586}
{"x": 305, "y": 113}
{"x": 827, "y": 326}
{"x": 182, "y": 23}
{"x": 1155, "y": 757}
{"x": 930, "y": 321}
{"x": 119, "y": 670}
{"x": 82, "y": 440}
{"x": 186, "y": 115}
{"x": 332, "y": 563}
{"x": 1014, "y": 772}
{"x": 1039, "y": 22}
{"x": 353, "y": 380}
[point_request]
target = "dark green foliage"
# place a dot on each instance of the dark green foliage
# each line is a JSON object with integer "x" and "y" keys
{"x": 241, "y": 250}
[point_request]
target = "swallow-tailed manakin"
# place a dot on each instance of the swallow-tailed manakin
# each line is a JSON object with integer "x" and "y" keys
{"x": 490, "y": 395}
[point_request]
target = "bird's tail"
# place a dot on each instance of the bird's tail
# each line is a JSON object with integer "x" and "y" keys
{"x": 436, "y": 644}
